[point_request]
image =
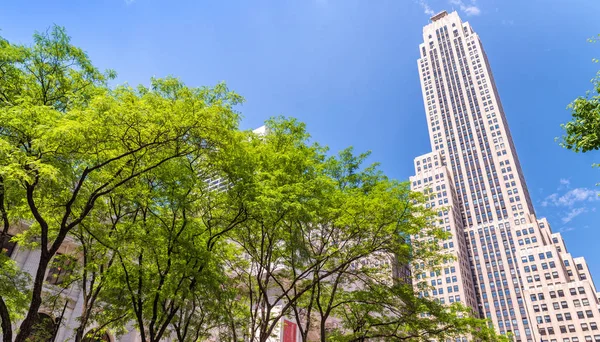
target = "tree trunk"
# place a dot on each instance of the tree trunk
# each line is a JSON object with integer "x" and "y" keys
{"x": 36, "y": 298}
{"x": 81, "y": 328}
{"x": 6, "y": 327}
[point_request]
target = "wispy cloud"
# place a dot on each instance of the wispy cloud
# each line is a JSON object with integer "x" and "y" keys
{"x": 425, "y": 6}
{"x": 468, "y": 8}
{"x": 129, "y": 2}
{"x": 566, "y": 229}
{"x": 568, "y": 203}
{"x": 571, "y": 197}
{"x": 572, "y": 214}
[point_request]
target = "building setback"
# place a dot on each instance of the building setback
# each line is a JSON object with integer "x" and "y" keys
{"x": 509, "y": 266}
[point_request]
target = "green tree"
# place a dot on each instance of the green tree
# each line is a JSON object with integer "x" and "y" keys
{"x": 380, "y": 312}
{"x": 363, "y": 238}
{"x": 97, "y": 259}
{"x": 126, "y": 173}
{"x": 282, "y": 187}
{"x": 582, "y": 133}
{"x": 14, "y": 289}
{"x": 170, "y": 250}
{"x": 67, "y": 141}
{"x": 313, "y": 221}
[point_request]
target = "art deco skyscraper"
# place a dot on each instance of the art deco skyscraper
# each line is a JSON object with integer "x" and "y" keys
{"x": 509, "y": 266}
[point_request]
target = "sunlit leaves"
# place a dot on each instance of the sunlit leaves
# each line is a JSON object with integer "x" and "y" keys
{"x": 582, "y": 133}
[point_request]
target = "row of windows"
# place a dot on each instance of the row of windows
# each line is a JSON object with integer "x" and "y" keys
{"x": 570, "y": 328}
{"x": 450, "y": 289}
{"x": 576, "y": 339}
{"x": 565, "y": 317}
{"x": 544, "y": 265}
{"x": 452, "y": 279}
{"x": 428, "y": 179}
{"x": 524, "y": 231}
{"x": 562, "y": 305}
{"x": 547, "y": 276}
{"x": 440, "y": 202}
{"x": 526, "y": 241}
{"x": 451, "y": 299}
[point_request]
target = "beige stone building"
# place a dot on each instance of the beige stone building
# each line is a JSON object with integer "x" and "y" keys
{"x": 509, "y": 267}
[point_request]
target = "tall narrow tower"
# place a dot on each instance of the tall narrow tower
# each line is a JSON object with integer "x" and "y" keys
{"x": 509, "y": 265}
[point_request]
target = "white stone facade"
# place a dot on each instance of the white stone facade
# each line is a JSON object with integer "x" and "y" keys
{"x": 516, "y": 264}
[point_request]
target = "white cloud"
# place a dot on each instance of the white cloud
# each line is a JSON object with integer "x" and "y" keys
{"x": 566, "y": 229}
{"x": 472, "y": 10}
{"x": 572, "y": 214}
{"x": 550, "y": 199}
{"x": 426, "y": 8}
{"x": 469, "y": 9}
{"x": 569, "y": 203}
{"x": 570, "y": 197}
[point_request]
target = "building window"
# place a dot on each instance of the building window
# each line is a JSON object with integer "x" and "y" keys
{"x": 61, "y": 269}
{"x": 8, "y": 247}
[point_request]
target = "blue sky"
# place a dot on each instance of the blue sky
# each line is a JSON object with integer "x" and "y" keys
{"x": 348, "y": 69}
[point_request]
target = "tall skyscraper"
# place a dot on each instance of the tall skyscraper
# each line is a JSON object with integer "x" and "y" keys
{"x": 509, "y": 266}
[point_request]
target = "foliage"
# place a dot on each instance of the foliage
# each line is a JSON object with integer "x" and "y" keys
{"x": 68, "y": 141}
{"x": 393, "y": 313}
{"x": 14, "y": 290}
{"x": 100, "y": 308}
{"x": 282, "y": 189}
{"x": 127, "y": 176}
{"x": 582, "y": 133}
{"x": 321, "y": 229}
{"x": 166, "y": 249}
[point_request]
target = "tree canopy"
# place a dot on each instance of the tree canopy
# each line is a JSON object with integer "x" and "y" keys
{"x": 582, "y": 133}
{"x": 167, "y": 217}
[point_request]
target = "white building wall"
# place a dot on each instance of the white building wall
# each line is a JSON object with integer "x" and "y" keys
{"x": 468, "y": 129}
